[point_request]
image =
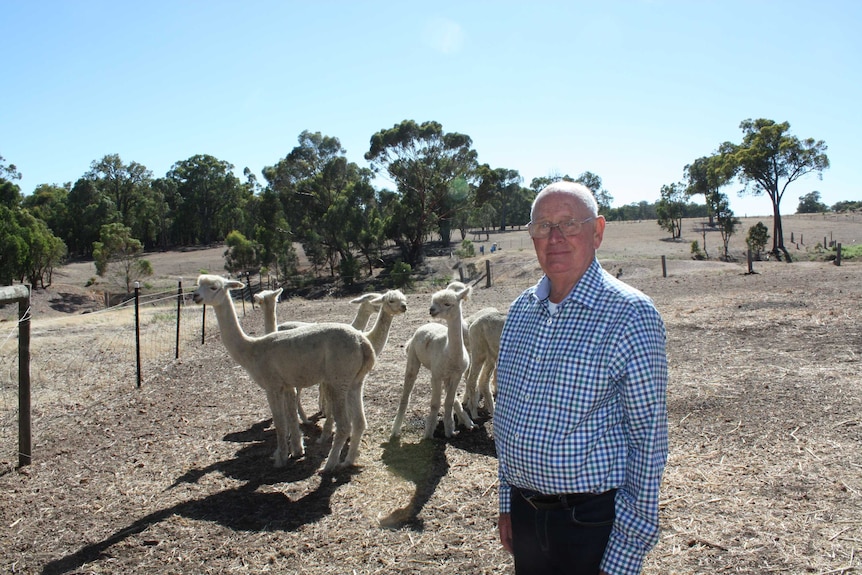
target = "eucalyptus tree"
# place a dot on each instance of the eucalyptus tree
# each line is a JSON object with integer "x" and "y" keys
{"x": 117, "y": 256}
{"x": 211, "y": 200}
{"x": 325, "y": 200}
{"x": 671, "y": 208}
{"x": 44, "y": 250}
{"x": 48, "y": 202}
{"x": 500, "y": 187}
{"x": 768, "y": 160}
{"x": 810, "y": 204}
{"x": 423, "y": 161}
{"x": 88, "y": 211}
{"x": 10, "y": 192}
{"x": 125, "y": 185}
{"x": 706, "y": 176}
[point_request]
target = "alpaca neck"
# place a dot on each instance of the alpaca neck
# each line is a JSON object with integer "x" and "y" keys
{"x": 361, "y": 318}
{"x": 380, "y": 332}
{"x": 269, "y": 319}
{"x": 455, "y": 334}
{"x": 232, "y": 336}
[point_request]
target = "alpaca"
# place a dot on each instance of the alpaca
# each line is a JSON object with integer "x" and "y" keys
{"x": 485, "y": 329}
{"x": 441, "y": 350}
{"x": 268, "y": 300}
{"x": 368, "y": 303}
{"x": 390, "y": 304}
{"x": 336, "y": 356}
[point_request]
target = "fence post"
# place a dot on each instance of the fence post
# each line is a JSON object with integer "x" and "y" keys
{"x": 204, "y": 324}
{"x": 838, "y": 254}
{"x": 138, "y": 330}
{"x": 487, "y": 273}
{"x": 24, "y": 417}
{"x": 663, "y": 266}
{"x": 179, "y": 314}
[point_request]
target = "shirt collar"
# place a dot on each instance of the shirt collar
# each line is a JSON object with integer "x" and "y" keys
{"x": 585, "y": 291}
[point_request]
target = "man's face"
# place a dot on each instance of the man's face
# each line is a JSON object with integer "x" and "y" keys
{"x": 566, "y": 258}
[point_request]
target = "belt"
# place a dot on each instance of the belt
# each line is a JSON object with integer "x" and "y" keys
{"x": 542, "y": 502}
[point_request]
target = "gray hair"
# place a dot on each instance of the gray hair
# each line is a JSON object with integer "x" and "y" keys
{"x": 579, "y": 192}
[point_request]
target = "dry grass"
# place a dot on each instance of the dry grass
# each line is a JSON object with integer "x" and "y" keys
{"x": 764, "y": 403}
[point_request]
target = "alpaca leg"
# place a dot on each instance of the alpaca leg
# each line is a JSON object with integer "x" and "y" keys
{"x": 485, "y": 385}
{"x": 452, "y": 403}
{"x": 471, "y": 393}
{"x": 358, "y": 423}
{"x": 410, "y": 374}
{"x": 337, "y": 407}
{"x": 436, "y": 399}
{"x": 323, "y": 400}
{"x": 299, "y": 410}
{"x": 292, "y": 423}
{"x": 277, "y": 400}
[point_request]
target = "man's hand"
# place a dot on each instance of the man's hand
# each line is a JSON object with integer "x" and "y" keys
{"x": 504, "y": 525}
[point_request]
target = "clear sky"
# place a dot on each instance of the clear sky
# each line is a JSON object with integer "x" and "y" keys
{"x": 629, "y": 90}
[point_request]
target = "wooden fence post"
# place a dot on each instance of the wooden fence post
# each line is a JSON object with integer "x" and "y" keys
{"x": 487, "y": 273}
{"x": 179, "y": 314}
{"x": 838, "y": 254}
{"x": 138, "y": 331}
{"x": 663, "y": 266}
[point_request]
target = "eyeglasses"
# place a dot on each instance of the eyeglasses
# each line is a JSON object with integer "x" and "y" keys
{"x": 568, "y": 228}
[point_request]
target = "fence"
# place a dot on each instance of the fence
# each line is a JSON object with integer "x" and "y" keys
{"x": 68, "y": 374}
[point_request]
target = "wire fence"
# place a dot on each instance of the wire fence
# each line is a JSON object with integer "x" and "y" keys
{"x": 70, "y": 375}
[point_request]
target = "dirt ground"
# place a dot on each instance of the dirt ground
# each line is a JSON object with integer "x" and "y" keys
{"x": 174, "y": 477}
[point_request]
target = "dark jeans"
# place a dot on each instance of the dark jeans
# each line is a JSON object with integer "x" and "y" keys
{"x": 561, "y": 541}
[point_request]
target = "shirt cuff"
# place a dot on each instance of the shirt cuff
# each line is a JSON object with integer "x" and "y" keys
{"x": 622, "y": 557}
{"x": 505, "y": 495}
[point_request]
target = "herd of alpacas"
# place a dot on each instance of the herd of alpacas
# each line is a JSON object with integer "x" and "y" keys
{"x": 337, "y": 357}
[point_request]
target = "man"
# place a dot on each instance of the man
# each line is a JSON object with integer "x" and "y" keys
{"x": 581, "y": 416}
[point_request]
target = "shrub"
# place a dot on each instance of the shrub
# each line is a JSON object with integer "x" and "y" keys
{"x": 467, "y": 250}
{"x": 696, "y": 252}
{"x": 399, "y": 277}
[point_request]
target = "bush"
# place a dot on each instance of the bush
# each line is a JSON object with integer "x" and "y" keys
{"x": 467, "y": 250}
{"x": 349, "y": 269}
{"x": 400, "y": 276}
{"x": 696, "y": 252}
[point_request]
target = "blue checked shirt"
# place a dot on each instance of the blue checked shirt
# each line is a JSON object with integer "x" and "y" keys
{"x": 582, "y": 407}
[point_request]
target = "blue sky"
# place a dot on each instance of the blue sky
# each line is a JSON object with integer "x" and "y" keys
{"x": 629, "y": 90}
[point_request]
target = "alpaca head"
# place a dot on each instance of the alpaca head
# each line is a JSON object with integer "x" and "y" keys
{"x": 214, "y": 290}
{"x": 267, "y": 299}
{"x": 446, "y": 303}
{"x": 392, "y": 302}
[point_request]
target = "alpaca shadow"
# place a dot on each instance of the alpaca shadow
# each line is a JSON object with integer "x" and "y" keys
{"x": 479, "y": 441}
{"x": 240, "y": 509}
{"x": 423, "y": 464}
{"x": 253, "y": 462}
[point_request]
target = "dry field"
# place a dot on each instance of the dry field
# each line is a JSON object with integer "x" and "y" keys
{"x": 765, "y": 405}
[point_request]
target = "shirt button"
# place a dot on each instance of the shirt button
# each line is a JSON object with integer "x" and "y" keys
{"x": 550, "y": 321}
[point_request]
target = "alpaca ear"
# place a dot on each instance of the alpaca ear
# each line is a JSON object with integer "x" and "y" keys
{"x": 278, "y": 293}
{"x": 233, "y": 284}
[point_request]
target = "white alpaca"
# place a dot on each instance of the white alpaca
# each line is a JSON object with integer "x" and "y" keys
{"x": 441, "y": 350}
{"x": 368, "y": 303}
{"x": 485, "y": 329}
{"x": 336, "y": 356}
{"x": 390, "y": 304}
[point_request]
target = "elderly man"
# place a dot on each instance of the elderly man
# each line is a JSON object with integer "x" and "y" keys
{"x": 581, "y": 416}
